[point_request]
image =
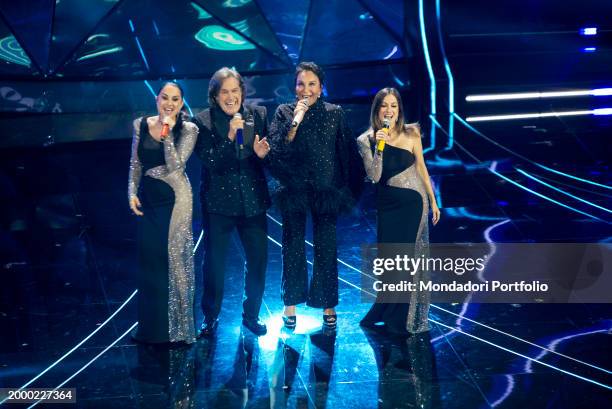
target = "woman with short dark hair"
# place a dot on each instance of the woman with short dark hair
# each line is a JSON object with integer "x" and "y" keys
{"x": 311, "y": 149}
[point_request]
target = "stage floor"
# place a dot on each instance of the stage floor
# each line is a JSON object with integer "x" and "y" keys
{"x": 70, "y": 277}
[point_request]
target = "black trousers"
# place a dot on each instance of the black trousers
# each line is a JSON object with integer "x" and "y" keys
{"x": 253, "y": 233}
{"x": 323, "y": 290}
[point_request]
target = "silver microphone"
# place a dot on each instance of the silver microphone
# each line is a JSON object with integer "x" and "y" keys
{"x": 299, "y": 117}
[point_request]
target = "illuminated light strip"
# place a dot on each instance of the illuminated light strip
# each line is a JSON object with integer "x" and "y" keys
{"x": 507, "y": 392}
{"x": 562, "y": 191}
{"x": 90, "y": 362}
{"x": 464, "y": 307}
{"x": 495, "y": 172}
{"x": 77, "y": 345}
{"x": 525, "y": 356}
{"x": 198, "y": 242}
{"x": 557, "y": 341}
{"x": 477, "y": 132}
{"x": 99, "y": 53}
{"x": 449, "y": 74}
{"x": 150, "y": 88}
{"x": 142, "y": 54}
{"x": 442, "y": 161}
{"x": 391, "y": 53}
{"x": 432, "y": 78}
{"x": 455, "y": 314}
{"x": 597, "y": 92}
{"x": 529, "y": 115}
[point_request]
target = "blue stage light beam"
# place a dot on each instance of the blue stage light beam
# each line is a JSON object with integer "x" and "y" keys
{"x": 71, "y": 377}
{"x": 597, "y": 92}
{"x": 449, "y": 74}
{"x": 518, "y": 155}
{"x": 77, "y": 346}
{"x": 526, "y": 357}
{"x": 531, "y": 115}
{"x": 540, "y": 195}
{"x": 432, "y": 78}
{"x": 561, "y": 190}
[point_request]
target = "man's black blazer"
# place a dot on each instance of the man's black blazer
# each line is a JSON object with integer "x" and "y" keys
{"x": 231, "y": 186}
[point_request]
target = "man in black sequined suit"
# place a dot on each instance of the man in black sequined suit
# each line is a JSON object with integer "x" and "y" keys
{"x": 311, "y": 161}
{"x": 234, "y": 194}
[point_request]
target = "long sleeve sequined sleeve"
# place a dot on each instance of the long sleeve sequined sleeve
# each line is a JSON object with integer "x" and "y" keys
{"x": 285, "y": 162}
{"x": 371, "y": 162}
{"x": 135, "y": 165}
{"x": 176, "y": 154}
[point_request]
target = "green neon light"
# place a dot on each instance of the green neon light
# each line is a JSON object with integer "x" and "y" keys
{"x": 202, "y": 14}
{"x": 219, "y": 38}
{"x": 99, "y": 53}
{"x": 11, "y": 51}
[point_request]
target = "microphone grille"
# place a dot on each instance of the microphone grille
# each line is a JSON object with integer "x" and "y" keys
{"x": 386, "y": 123}
{"x": 238, "y": 115}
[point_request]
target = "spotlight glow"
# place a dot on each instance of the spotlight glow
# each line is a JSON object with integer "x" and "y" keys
{"x": 601, "y": 111}
{"x": 589, "y": 31}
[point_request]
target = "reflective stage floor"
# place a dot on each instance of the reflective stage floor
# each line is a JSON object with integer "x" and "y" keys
{"x": 68, "y": 276}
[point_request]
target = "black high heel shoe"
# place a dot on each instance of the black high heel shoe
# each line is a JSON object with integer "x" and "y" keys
{"x": 330, "y": 321}
{"x": 290, "y": 321}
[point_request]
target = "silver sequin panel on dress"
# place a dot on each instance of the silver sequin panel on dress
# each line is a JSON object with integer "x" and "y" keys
{"x": 417, "y": 319}
{"x": 180, "y": 235}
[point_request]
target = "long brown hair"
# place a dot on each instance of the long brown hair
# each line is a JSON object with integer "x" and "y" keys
{"x": 375, "y": 122}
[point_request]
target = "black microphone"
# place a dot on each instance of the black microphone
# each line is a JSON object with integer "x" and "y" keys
{"x": 299, "y": 117}
{"x": 239, "y": 136}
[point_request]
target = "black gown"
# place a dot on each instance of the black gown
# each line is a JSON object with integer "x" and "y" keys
{"x": 402, "y": 209}
{"x": 164, "y": 238}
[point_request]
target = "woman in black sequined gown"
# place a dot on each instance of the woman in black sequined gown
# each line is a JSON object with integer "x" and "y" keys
{"x": 160, "y": 194}
{"x": 403, "y": 190}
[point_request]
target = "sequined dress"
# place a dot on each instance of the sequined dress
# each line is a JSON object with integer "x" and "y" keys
{"x": 165, "y": 239}
{"x": 402, "y": 208}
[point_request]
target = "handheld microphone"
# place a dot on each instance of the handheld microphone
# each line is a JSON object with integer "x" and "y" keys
{"x": 165, "y": 129}
{"x": 381, "y": 144}
{"x": 239, "y": 136}
{"x": 299, "y": 117}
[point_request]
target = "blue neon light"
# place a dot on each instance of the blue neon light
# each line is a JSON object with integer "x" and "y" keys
{"x": 492, "y": 170}
{"x": 561, "y": 190}
{"x": 589, "y": 49}
{"x": 477, "y": 132}
{"x": 432, "y": 78}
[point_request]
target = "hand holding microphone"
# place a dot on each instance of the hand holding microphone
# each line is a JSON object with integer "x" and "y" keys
{"x": 382, "y": 135}
{"x": 299, "y": 111}
{"x": 235, "y": 129}
{"x": 166, "y": 122}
